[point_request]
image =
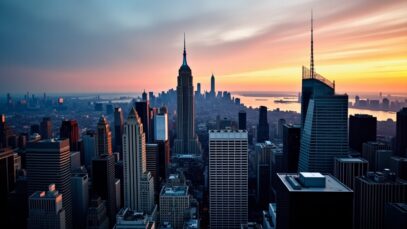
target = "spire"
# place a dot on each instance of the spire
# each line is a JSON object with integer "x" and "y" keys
{"x": 184, "y": 61}
{"x": 312, "y": 46}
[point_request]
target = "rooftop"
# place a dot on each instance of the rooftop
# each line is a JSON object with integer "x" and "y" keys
{"x": 312, "y": 182}
{"x": 306, "y": 74}
{"x": 352, "y": 160}
{"x": 174, "y": 191}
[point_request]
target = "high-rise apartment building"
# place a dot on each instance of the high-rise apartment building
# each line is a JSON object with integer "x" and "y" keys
{"x": 228, "y": 178}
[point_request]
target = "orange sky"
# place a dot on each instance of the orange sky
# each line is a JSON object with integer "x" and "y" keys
{"x": 361, "y": 45}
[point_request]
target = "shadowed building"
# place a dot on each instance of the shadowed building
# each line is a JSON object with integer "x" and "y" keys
{"x": 263, "y": 126}
{"x": 70, "y": 130}
{"x": 401, "y": 135}
{"x": 362, "y": 128}
{"x": 104, "y": 137}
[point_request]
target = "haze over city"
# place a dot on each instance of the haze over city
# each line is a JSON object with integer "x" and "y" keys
{"x": 129, "y": 46}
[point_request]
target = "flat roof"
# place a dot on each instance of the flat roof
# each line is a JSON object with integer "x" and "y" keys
{"x": 174, "y": 191}
{"x": 351, "y": 159}
{"x": 331, "y": 183}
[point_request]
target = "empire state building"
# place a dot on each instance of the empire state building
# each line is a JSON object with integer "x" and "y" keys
{"x": 186, "y": 141}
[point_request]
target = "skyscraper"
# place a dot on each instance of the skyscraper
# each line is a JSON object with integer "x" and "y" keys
{"x": 104, "y": 137}
{"x": 281, "y": 123}
{"x": 161, "y": 126}
{"x": 228, "y": 178}
{"x": 291, "y": 147}
{"x": 371, "y": 151}
{"x": 5, "y": 132}
{"x": 347, "y": 169}
{"x": 7, "y": 180}
{"x": 198, "y": 89}
{"x": 46, "y": 128}
{"x": 103, "y": 183}
{"x": 96, "y": 217}
{"x": 242, "y": 120}
{"x": 89, "y": 147}
{"x": 263, "y": 127}
{"x": 372, "y": 192}
{"x": 213, "y": 92}
{"x": 80, "y": 198}
{"x": 313, "y": 200}
{"x": 134, "y": 163}
{"x": 401, "y": 135}
{"x": 143, "y": 111}
{"x": 70, "y": 130}
{"x": 48, "y": 162}
{"x": 46, "y": 210}
{"x": 118, "y": 129}
{"x": 263, "y": 174}
{"x": 324, "y": 117}
{"x": 186, "y": 141}
{"x": 152, "y": 163}
{"x": 174, "y": 200}
{"x": 362, "y": 128}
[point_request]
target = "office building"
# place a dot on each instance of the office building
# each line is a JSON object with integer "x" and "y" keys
{"x": 401, "y": 133}
{"x": 80, "y": 197}
{"x": 186, "y": 141}
{"x": 143, "y": 111}
{"x": 371, "y": 151}
{"x": 103, "y": 183}
{"x": 103, "y": 137}
{"x": 5, "y": 132}
{"x": 291, "y": 147}
{"x": 69, "y": 129}
{"x": 118, "y": 129}
{"x": 263, "y": 126}
{"x": 395, "y": 216}
{"x": 152, "y": 163}
{"x": 313, "y": 200}
{"x": 129, "y": 219}
{"x": 372, "y": 192}
{"x": 46, "y": 210}
{"x": 136, "y": 176}
{"x": 7, "y": 180}
{"x": 89, "y": 147}
{"x": 281, "y": 123}
{"x": 228, "y": 178}
{"x": 161, "y": 126}
{"x": 96, "y": 217}
{"x": 399, "y": 166}
{"x": 263, "y": 173}
{"x": 46, "y": 128}
{"x": 48, "y": 162}
{"x": 242, "y": 120}
{"x": 347, "y": 169}
{"x": 147, "y": 204}
{"x": 174, "y": 201}
{"x": 362, "y": 128}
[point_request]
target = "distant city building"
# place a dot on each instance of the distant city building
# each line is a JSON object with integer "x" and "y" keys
{"x": 281, "y": 123}
{"x": 313, "y": 200}
{"x": 45, "y": 210}
{"x": 129, "y": 219}
{"x": 372, "y": 192}
{"x": 103, "y": 183}
{"x": 362, "y": 128}
{"x": 263, "y": 173}
{"x": 118, "y": 129}
{"x": 96, "y": 217}
{"x": 213, "y": 91}
{"x": 228, "y": 178}
{"x": 198, "y": 89}
{"x": 80, "y": 198}
{"x": 395, "y": 215}
{"x": 89, "y": 147}
{"x": 48, "y": 162}
{"x": 70, "y": 130}
{"x": 104, "y": 137}
{"x": 346, "y": 169}
{"x": 291, "y": 147}
{"x": 401, "y": 135}
{"x": 186, "y": 141}
{"x": 372, "y": 152}
{"x": 46, "y": 128}
{"x": 263, "y": 132}
{"x": 174, "y": 201}
{"x": 242, "y": 120}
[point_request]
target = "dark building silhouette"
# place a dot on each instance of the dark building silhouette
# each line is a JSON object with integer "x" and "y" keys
{"x": 372, "y": 192}
{"x": 7, "y": 180}
{"x": 186, "y": 141}
{"x": 313, "y": 200}
{"x": 399, "y": 166}
{"x": 362, "y": 128}
{"x": 118, "y": 130}
{"x": 213, "y": 92}
{"x": 143, "y": 111}
{"x": 96, "y": 216}
{"x": 242, "y": 120}
{"x": 103, "y": 137}
{"x": 48, "y": 162}
{"x": 70, "y": 130}
{"x": 291, "y": 147}
{"x": 263, "y": 174}
{"x": 372, "y": 152}
{"x": 346, "y": 169}
{"x": 395, "y": 216}
{"x": 35, "y": 128}
{"x": 5, "y": 132}
{"x": 103, "y": 183}
{"x": 263, "y": 126}
{"x": 46, "y": 129}
{"x": 401, "y": 135}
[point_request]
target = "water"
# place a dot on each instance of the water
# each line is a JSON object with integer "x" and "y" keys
{"x": 269, "y": 101}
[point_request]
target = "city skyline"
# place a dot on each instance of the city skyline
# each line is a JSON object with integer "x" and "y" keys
{"x": 357, "y": 44}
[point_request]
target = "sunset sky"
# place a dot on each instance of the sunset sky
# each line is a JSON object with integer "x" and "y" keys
{"x": 128, "y": 46}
